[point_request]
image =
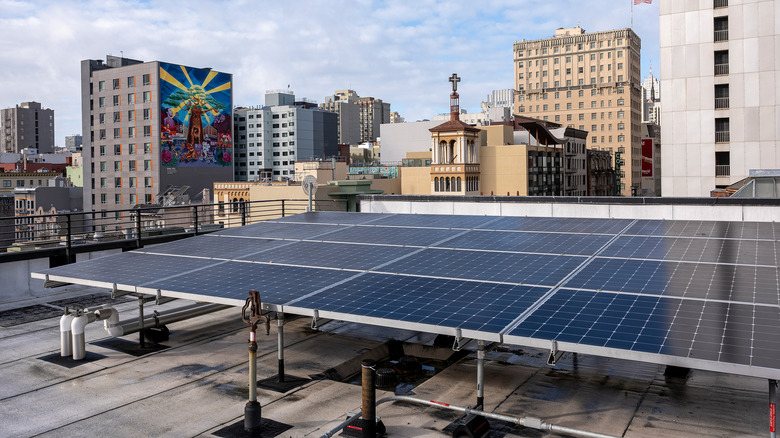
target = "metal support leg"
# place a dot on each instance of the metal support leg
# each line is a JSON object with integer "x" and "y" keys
{"x": 772, "y": 403}
{"x": 280, "y": 341}
{"x": 252, "y": 410}
{"x": 369, "y": 399}
{"x": 141, "y": 340}
{"x": 480, "y": 375}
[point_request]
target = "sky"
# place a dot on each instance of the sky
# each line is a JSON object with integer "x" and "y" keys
{"x": 399, "y": 51}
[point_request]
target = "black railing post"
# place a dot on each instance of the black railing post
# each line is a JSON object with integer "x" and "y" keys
{"x": 195, "y": 218}
{"x": 282, "y": 207}
{"x": 69, "y": 236}
{"x": 242, "y": 207}
{"x": 138, "y": 228}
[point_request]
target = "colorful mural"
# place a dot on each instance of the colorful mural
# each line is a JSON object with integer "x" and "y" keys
{"x": 196, "y": 117}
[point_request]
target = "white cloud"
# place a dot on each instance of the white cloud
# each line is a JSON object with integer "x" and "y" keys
{"x": 401, "y": 52}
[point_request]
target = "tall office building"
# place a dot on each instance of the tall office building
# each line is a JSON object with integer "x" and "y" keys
{"x": 651, "y": 99}
{"x": 27, "y": 125}
{"x": 271, "y": 138}
{"x": 587, "y": 81}
{"x": 719, "y": 76}
{"x": 373, "y": 112}
{"x": 152, "y": 126}
{"x": 73, "y": 142}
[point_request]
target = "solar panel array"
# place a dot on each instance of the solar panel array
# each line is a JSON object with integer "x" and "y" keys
{"x": 688, "y": 293}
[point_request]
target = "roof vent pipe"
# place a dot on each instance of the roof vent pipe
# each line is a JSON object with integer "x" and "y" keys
{"x": 66, "y": 343}
{"x": 81, "y": 321}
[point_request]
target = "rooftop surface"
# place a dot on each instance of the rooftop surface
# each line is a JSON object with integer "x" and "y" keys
{"x": 197, "y": 386}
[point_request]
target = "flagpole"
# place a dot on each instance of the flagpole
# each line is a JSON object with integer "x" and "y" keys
{"x": 632, "y": 14}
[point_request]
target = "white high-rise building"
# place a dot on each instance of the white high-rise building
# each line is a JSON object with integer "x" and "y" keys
{"x": 719, "y": 83}
{"x": 651, "y": 99}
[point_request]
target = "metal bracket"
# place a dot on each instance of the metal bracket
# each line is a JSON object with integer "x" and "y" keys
{"x": 156, "y": 319}
{"x": 314, "y": 320}
{"x": 460, "y": 342}
{"x": 555, "y": 355}
{"x": 113, "y": 291}
{"x": 157, "y": 298}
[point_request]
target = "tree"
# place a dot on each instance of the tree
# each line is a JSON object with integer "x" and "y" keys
{"x": 198, "y": 103}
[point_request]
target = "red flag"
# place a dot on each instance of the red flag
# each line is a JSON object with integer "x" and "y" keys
{"x": 636, "y": 2}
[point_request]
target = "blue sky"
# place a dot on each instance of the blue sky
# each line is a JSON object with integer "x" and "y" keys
{"x": 399, "y": 51}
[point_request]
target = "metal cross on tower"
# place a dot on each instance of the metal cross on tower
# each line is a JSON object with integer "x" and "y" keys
{"x": 454, "y": 79}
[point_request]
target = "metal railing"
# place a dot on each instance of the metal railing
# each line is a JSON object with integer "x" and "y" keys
{"x": 720, "y": 4}
{"x": 721, "y": 35}
{"x": 722, "y": 136}
{"x": 722, "y": 170}
{"x": 63, "y": 233}
{"x": 721, "y": 102}
{"x": 721, "y": 69}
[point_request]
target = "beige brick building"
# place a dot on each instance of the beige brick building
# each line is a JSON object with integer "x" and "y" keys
{"x": 587, "y": 81}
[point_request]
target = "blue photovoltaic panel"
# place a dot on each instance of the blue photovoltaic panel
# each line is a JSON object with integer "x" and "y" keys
{"x": 233, "y": 280}
{"x": 736, "y": 230}
{"x": 520, "y": 268}
{"x": 390, "y": 235}
{"x": 212, "y": 245}
{"x": 128, "y": 268}
{"x": 332, "y": 255}
{"x": 274, "y": 230}
{"x": 735, "y": 251}
{"x": 547, "y": 243}
{"x": 487, "y": 307}
{"x": 715, "y": 331}
{"x": 747, "y": 284}
{"x": 333, "y": 217}
{"x": 558, "y": 224}
{"x": 434, "y": 221}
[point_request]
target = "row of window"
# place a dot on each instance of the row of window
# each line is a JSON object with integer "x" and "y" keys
{"x": 132, "y": 149}
{"x": 131, "y": 132}
{"x": 568, "y": 60}
{"x": 569, "y": 47}
{"x": 273, "y": 116}
{"x": 133, "y": 198}
{"x": 116, "y": 83}
{"x": 557, "y": 84}
{"x": 131, "y": 166}
{"x": 131, "y": 99}
{"x": 131, "y": 116}
{"x": 568, "y": 71}
{"x": 20, "y": 183}
{"x": 132, "y": 182}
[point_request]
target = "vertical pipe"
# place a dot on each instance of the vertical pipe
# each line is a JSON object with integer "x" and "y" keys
{"x": 195, "y": 219}
{"x": 480, "y": 375}
{"x": 280, "y": 341}
{"x": 242, "y": 206}
{"x": 282, "y": 207}
{"x": 138, "y": 227}
{"x": 141, "y": 340}
{"x": 369, "y": 399}
{"x": 252, "y": 410}
{"x": 68, "y": 243}
{"x": 772, "y": 409}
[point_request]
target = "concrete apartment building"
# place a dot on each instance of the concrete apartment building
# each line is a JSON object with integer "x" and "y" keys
{"x": 73, "y": 142}
{"x": 27, "y": 125}
{"x": 373, "y": 112}
{"x": 720, "y": 67}
{"x": 587, "y": 81}
{"x": 271, "y": 138}
{"x": 150, "y": 126}
{"x": 344, "y": 104}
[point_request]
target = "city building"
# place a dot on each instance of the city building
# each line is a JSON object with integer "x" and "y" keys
{"x": 55, "y": 197}
{"x": 151, "y": 126}
{"x": 651, "y": 99}
{"x": 373, "y": 112}
{"x": 501, "y": 98}
{"x": 719, "y": 76}
{"x": 27, "y": 125}
{"x": 9, "y": 181}
{"x": 651, "y": 160}
{"x": 587, "y": 81}
{"x": 73, "y": 142}
{"x": 344, "y": 104}
{"x": 271, "y": 138}
{"x": 489, "y": 115}
{"x": 397, "y": 140}
{"x": 396, "y": 118}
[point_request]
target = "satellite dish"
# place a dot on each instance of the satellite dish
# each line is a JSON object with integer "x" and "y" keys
{"x": 309, "y": 185}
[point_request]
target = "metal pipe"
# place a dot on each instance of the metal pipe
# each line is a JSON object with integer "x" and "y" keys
{"x": 772, "y": 409}
{"x": 66, "y": 340}
{"x": 280, "y": 341}
{"x": 252, "y": 410}
{"x": 531, "y": 422}
{"x": 369, "y": 399}
{"x": 480, "y": 374}
{"x": 141, "y": 341}
{"x": 133, "y": 325}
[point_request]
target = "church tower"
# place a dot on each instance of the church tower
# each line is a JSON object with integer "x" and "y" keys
{"x": 455, "y": 158}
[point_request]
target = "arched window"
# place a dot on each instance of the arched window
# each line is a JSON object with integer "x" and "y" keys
{"x": 457, "y": 188}
{"x": 449, "y": 187}
{"x": 234, "y": 205}
{"x": 442, "y": 152}
{"x": 436, "y": 184}
{"x": 451, "y": 152}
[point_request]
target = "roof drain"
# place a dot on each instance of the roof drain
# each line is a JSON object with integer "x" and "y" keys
{"x": 530, "y": 422}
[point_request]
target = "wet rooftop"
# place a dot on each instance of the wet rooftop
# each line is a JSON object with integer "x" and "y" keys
{"x": 195, "y": 383}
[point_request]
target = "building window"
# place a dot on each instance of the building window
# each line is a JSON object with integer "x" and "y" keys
{"x": 102, "y": 102}
{"x": 102, "y": 150}
{"x": 147, "y": 131}
{"x": 620, "y": 114}
{"x": 103, "y": 198}
{"x": 116, "y": 84}
{"x": 130, "y": 81}
{"x": 131, "y": 116}
{"x": 131, "y": 132}
{"x": 102, "y": 86}
{"x": 147, "y": 148}
{"x": 722, "y": 132}
{"x": 721, "y": 96}
{"x": 148, "y": 198}
{"x": 131, "y": 149}
{"x": 131, "y": 181}
{"x": 117, "y": 132}
{"x": 117, "y": 166}
{"x": 130, "y": 98}
{"x": 721, "y": 26}
{"x": 117, "y": 198}
{"x": 117, "y": 149}
{"x": 133, "y": 198}
{"x": 147, "y": 113}
{"x": 102, "y": 166}
{"x": 147, "y": 96}
{"x": 103, "y": 183}
{"x": 147, "y": 164}
{"x": 147, "y": 79}
{"x": 147, "y": 181}
{"x": 118, "y": 182}
{"x": 117, "y": 100}
{"x": 131, "y": 166}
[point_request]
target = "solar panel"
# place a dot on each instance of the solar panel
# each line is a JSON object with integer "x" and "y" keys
{"x": 690, "y": 293}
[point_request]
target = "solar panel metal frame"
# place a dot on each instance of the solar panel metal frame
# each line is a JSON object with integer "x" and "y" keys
{"x": 330, "y": 224}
